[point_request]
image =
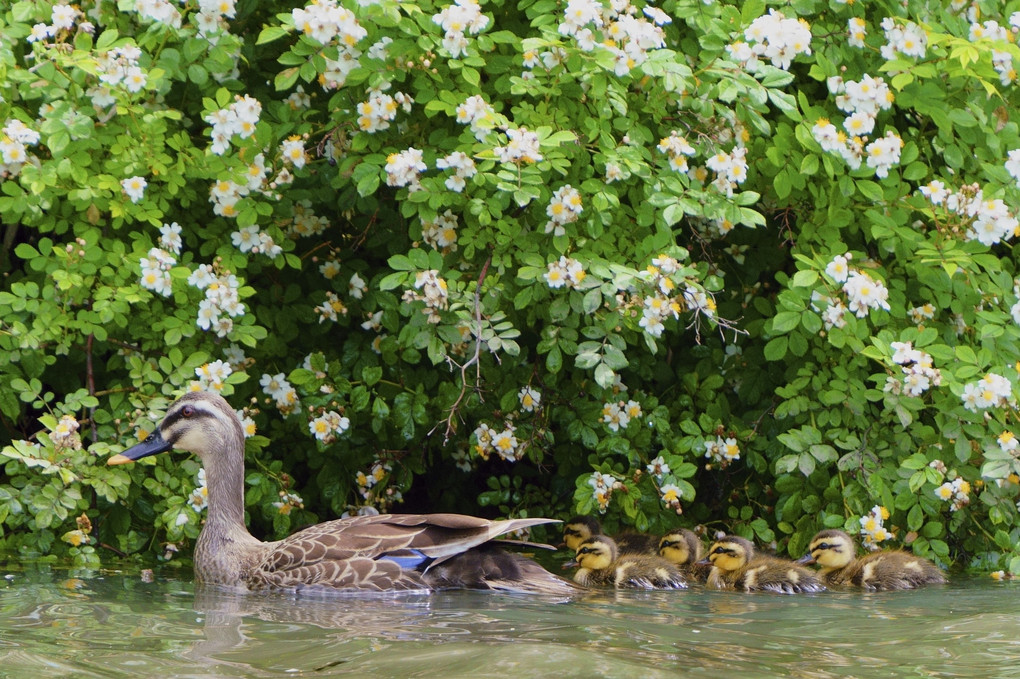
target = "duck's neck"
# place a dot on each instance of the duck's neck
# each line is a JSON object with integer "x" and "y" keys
{"x": 225, "y": 480}
{"x": 224, "y": 545}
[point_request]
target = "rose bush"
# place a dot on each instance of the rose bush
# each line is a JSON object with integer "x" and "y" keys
{"x": 721, "y": 264}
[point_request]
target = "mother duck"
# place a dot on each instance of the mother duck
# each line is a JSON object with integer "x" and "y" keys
{"x": 367, "y": 553}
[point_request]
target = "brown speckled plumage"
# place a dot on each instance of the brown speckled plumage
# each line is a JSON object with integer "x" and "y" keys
{"x": 601, "y": 565}
{"x": 582, "y": 527}
{"x": 736, "y": 565}
{"x": 835, "y": 552}
{"x": 436, "y": 551}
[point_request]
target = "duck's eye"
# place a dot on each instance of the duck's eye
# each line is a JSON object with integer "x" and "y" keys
{"x": 188, "y": 411}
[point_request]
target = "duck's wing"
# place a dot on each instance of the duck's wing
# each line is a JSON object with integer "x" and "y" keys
{"x": 382, "y": 552}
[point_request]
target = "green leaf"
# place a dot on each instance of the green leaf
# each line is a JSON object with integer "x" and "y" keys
{"x": 604, "y": 376}
{"x": 197, "y": 74}
{"x": 371, "y": 375}
{"x": 915, "y": 518}
{"x": 285, "y": 79}
{"x": 785, "y": 321}
{"x": 965, "y": 354}
{"x": 271, "y": 33}
{"x": 775, "y": 350}
{"x": 804, "y": 279}
{"x": 554, "y": 360}
{"x": 870, "y": 190}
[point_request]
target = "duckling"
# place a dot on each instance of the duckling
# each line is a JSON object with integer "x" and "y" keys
{"x": 580, "y": 528}
{"x": 834, "y": 551}
{"x": 683, "y": 548}
{"x": 601, "y": 564}
{"x": 735, "y": 565}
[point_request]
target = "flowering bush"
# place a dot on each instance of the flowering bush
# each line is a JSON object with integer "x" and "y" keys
{"x": 674, "y": 263}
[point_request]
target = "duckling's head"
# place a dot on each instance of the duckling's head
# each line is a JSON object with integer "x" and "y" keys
{"x": 199, "y": 422}
{"x": 579, "y": 529}
{"x": 596, "y": 553}
{"x": 681, "y": 547}
{"x": 830, "y": 549}
{"x": 730, "y": 553}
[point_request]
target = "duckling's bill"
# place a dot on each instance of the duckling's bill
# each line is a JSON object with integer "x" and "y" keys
{"x": 153, "y": 445}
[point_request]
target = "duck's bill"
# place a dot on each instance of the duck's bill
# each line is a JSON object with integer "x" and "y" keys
{"x": 806, "y": 560}
{"x": 153, "y": 445}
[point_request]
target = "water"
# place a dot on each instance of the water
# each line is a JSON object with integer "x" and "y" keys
{"x": 114, "y": 624}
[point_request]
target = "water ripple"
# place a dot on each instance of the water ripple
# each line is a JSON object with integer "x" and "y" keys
{"x": 113, "y": 625}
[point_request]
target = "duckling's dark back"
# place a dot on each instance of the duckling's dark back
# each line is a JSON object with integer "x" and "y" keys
{"x": 492, "y": 567}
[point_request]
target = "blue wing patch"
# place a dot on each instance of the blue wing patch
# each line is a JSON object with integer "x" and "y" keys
{"x": 408, "y": 559}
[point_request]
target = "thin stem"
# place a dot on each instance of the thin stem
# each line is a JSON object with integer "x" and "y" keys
{"x": 475, "y": 358}
{"x": 90, "y": 380}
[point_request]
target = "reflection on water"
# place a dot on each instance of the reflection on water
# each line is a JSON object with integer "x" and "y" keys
{"x": 116, "y": 625}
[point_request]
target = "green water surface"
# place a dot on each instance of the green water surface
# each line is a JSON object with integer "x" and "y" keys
{"x": 115, "y": 624}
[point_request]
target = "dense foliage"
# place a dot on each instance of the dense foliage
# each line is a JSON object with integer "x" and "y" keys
{"x": 693, "y": 263}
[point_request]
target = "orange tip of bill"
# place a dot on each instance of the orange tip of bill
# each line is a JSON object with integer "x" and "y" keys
{"x": 119, "y": 459}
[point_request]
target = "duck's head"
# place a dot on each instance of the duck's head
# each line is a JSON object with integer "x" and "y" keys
{"x": 579, "y": 529}
{"x": 198, "y": 422}
{"x": 681, "y": 547}
{"x": 830, "y": 549}
{"x": 596, "y": 553}
{"x": 730, "y": 553}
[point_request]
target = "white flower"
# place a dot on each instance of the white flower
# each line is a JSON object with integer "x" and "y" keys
{"x": 404, "y": 168}
{"x": 134, "y": 188}
{"x": 1013, "y": 164}
{"x": 170, "y": 237}
{"x": 530, "y": 399}
{"x": 838, "y": 269}
{"x": 293, "y": 151}
{"x": 658, "y": 467}
{"x": 864, "y": 293}
{"x": 670, "y": 493}
{"x": 357, "y": 286}
{"x": 521, "y": 148}
{"x": 505, "y": 444}
{"x": 1008, "y": 441}
{"x": 63, "y": 17}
